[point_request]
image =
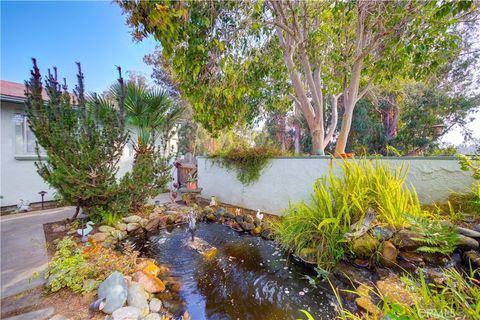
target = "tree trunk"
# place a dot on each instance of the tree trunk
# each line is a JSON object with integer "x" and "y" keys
{"x": 317, "y": 142}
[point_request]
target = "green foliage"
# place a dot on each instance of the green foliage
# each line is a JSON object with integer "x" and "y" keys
{"x": 83, "y": 140}
{"x": 457, "y": 297}
{"x": 247, "y": 162}
{"x": 472, "y": 164}
{"x": 149, "y": 176}
{"x": 72, "y": 264}
{"x": 339, "y": 200}
{"x": 68, "y": 268}
{"x": 436, "y": 237}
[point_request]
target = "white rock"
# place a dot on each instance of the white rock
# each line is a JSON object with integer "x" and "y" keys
{"x": 152, "y": 316}
{"x": 126, "y": 313}
{"x": 155, "y": 305}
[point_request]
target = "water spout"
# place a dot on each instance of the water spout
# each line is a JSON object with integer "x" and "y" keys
{"x": 192, "y": 224}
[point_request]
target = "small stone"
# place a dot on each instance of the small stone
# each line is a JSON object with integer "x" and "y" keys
{"x": 220, "y": 212}
{"x": 150, "y": 283}
{"x": 308, "y": 255}
{"x": 477, "y": 227}
{"x": 382, "y": 233}
{"x": 467, "y": 243}
{"x": 151, "y": 268}
{"x": 121, "y": 226}
{"x": 59, "y": 228}
{"x": 153, "y": 224}
{"x": 239, "y": 218}
{"x": 132, "y": 219}
{"x": 155, "y": 305}
{"x": 267, "y": 234}
{"x": 143, "y": 222}
{"x": 364, "y": 301}
{"x": 127, "y": 313}
{"x": 137, "y": 298}
{"x": 473, "y": 257}
{"x": 154, "y": 215}
{"x": 152, "y": 316}
{"x": 106, "y": 229}
{"x": 119, "y": 235}
{"x": 248, "y": 218}
{"x": 211, "y": 217}
{"x": 389, "y": 254}
{"x": 406, "y": 240}
{"x": 114, "y": 290}
{"x": 247, "y": 226}
{"x": 256, "y": 231}
{"x": 394, "y": 290}
{"x": 348, "y": 274}
{"x": 99, "y": 236}
{"x": 365, "y": 246}
{"x": 132, "y": 226}
{"x": 468, "y": 232}
{"x": 413, "y": 257}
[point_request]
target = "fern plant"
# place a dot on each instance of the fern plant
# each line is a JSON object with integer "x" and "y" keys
{"x": 435, "y": 236}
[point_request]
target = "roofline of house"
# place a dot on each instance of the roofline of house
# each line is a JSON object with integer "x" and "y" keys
{"x": 12, "y": 99}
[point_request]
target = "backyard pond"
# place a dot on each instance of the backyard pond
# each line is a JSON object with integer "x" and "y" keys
{"x": 238, "y": 276}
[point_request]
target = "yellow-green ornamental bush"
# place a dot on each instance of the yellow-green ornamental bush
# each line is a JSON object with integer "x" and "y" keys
{"x": 339, "y": 200}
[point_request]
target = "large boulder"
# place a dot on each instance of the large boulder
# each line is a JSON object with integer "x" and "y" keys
{"x": 365, "y": 246}
{"x": 114, "y": 290}
{"x": 127, "y": 313}
{"x": 137, "y": 297}
{"x": 149, "y": 282}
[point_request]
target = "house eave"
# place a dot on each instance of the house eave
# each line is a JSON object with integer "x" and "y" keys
{"x": 18, "y": 100}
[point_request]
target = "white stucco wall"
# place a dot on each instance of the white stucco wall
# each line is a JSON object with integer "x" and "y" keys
{"x": 291, "y": 179}
{"x": 18, "y": 175}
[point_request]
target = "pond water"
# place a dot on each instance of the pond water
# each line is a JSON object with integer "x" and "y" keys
{"x": 247, "y": 278}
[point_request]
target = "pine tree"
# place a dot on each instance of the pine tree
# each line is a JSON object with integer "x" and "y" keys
{"x": 82, "y": 137}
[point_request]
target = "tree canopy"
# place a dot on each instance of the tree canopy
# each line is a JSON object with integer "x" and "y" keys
{"x": 232, "y": 60}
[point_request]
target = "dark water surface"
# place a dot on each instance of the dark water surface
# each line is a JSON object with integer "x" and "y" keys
{"x": 248, "y": 278}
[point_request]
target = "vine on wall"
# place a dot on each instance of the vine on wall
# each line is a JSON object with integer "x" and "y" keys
{"x": 247, "y": 162}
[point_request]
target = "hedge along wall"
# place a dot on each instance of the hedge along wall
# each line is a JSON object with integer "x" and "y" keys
{"x": 291, "y": 179}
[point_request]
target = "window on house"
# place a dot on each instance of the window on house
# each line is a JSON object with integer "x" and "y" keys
{"x": 25, "y": 141}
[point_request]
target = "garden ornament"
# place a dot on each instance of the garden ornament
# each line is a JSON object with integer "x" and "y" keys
{"x": 84, "y": 232}
{"x": 213, "y": 202}
{"x": 24, "y": 206}
{"x": 259, "y": 215}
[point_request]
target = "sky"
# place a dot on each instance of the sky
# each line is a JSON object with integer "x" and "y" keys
{"x": 60, "y": 33}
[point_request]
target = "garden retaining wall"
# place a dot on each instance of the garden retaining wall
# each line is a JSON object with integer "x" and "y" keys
{"x": 291, "y": 178}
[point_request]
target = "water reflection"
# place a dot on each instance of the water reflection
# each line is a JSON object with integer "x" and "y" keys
{"x": 246, "y": 278}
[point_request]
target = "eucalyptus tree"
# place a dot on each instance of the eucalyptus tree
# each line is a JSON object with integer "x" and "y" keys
{"x": 233, "y": 60}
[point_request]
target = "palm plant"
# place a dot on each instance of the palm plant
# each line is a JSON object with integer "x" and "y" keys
{"x": 152, "y": 113}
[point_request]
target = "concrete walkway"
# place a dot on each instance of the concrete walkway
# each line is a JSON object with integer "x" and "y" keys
{"x": 23, "y": 249}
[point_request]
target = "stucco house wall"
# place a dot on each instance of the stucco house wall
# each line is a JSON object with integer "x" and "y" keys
{"x": 291, "y": 179}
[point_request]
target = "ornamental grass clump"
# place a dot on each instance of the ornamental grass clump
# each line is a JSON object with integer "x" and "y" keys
{"x": 457, "y": 297}
{"x": 341, "y": 198}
